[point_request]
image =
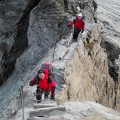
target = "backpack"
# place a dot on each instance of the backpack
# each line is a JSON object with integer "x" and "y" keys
{"x": 48, "y": 66}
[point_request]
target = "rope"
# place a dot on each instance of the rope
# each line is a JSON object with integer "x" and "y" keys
{"x": 55, "y": 44}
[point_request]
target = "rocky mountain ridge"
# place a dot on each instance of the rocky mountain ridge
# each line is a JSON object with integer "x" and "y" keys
{"x": 91, "y": 66}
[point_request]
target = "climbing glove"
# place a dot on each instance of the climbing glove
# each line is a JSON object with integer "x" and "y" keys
{"x": 31, "y": 83}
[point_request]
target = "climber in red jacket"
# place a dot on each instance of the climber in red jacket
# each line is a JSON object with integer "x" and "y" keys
{"x": 79, "y": 26}
{"x": 45, "y": 82}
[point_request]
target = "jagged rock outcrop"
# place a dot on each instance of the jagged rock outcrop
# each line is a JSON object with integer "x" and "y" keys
{"x": 109, "y": 20}
{"x": 87, "y": 74}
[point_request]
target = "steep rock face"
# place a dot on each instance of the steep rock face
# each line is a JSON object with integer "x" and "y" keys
{"x": 87, "y": 7}
{"x": 87, "y": 74}
{"x": 13, "y": 39}
{"x": 10, "y": 11}
{"x": 118, "y": 92}
{"x": 22, "y": 64}
{"x": 93, "y": 78}
{"x": 46, "y": 25}
{"x": 109, "y": 20}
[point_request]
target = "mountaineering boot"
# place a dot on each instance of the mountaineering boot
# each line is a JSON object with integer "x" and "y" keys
{"x": 39, "y": 94}
{"x": 52, "y": 97}
{"x": 45, "y": 97}
{"x": 74, "y": 40}
{"x": 53, "y": 93}
{"x": 38, "y": 101}
{"x": 46, "y": 94}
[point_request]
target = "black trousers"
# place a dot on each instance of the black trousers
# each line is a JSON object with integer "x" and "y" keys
{"x": 53, "y": 92}
{"x": 75, "y": 34}
{"x": 39, "y": 93}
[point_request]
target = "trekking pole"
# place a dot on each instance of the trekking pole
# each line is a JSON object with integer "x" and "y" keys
{"x": 22, "y": 101}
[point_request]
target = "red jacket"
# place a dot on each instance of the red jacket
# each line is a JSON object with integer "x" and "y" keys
{"x": 78, "y": 23}
{"x": 43, "y": 84}
{"x": 50, "y": 85}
